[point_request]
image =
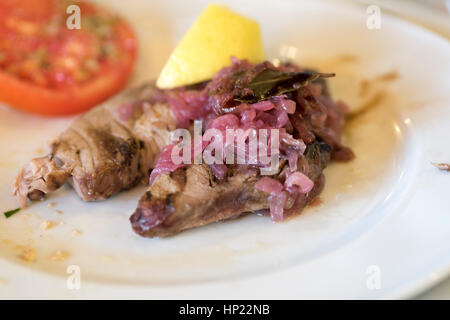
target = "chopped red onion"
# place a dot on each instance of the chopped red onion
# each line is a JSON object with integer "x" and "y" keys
{"x": 290, "y": 141}
{"x": 299, "y": 179}
{"x": 216, "y": 105}
{"x": 285, "y": 104}
{"x": 247, "y": 116}
{"x": 282, "y": 118}
{"x": 269, "y": 185}
{"x": 292, "y": 159}
{"x": 263, "y": 105}
{"x": 276, "y": 205}
{"x": 227, "y": 121}
{"x": 164, "y": 163}
{"x": 188, "y": 105}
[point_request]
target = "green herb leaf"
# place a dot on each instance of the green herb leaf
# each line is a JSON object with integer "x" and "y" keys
{"x": 11, "y": 212}
{"x": 269, "y": 83}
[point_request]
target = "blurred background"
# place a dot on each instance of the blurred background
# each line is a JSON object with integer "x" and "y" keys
{"x": 431, "y": 14}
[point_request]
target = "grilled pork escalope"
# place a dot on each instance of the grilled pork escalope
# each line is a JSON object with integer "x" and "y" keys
{"x": 192, "y": 196}
{"x": 119, "y": 143}
{"x": 107, "y": 150}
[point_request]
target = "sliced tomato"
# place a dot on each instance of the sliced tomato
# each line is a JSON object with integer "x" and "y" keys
{"x": 58, "y": 89}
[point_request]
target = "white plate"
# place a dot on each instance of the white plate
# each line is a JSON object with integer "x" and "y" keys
{"x": 381, "y": 232}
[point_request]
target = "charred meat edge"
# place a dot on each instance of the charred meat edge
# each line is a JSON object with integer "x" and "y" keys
{"x": 100, "y": 154}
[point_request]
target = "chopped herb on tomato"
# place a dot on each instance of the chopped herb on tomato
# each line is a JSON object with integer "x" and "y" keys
{"x": 50, "y": 69}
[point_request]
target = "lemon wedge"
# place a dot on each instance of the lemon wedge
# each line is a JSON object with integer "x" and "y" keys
{"x": 215, "y": 36}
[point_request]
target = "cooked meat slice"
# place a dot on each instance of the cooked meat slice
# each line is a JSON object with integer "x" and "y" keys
{"x": 39, "y": 176}
{"x": 100, "y": 153}
{"x": 191, "y": 197}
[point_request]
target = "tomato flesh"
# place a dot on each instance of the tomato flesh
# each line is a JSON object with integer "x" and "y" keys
{"x": 48, "y": 69}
